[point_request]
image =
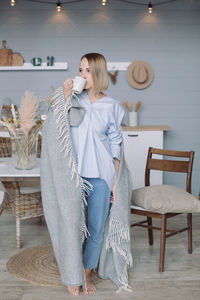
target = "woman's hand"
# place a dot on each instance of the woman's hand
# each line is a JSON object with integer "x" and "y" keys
{"x": 114, "y": 195}
{"x": 67, "y": 88}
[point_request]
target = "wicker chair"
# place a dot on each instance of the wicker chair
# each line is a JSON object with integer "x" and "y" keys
{"x": 5, "y": 151}
{"x": 24, "y": 206}
{"x": 5, "y": 147}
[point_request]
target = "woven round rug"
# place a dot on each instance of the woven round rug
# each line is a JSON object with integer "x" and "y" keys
{"x": 38, "y": 265}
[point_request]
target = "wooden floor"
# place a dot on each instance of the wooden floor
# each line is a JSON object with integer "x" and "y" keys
{"x": 180, "y": 281}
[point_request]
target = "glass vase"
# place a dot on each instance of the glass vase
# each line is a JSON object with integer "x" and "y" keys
{"x": 24, "y": 150}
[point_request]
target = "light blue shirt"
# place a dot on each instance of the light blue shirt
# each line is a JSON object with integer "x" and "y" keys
{"x": 97, "y": 139}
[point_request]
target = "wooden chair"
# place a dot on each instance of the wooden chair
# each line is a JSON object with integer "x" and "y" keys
{"x": 24, "y": 206}
{"x": 180, "y": 166}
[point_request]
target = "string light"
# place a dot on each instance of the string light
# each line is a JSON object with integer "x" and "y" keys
{"x": 12, "y": 2}
{"x": 58, "y": 6}
{"x": 150, "y": 8}
{"x": 103, "y": 2}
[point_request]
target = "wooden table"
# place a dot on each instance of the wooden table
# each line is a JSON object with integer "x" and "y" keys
{"x": 11, "y": 179}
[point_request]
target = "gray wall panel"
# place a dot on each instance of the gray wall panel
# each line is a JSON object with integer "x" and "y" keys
{"x": 169, "y": 40}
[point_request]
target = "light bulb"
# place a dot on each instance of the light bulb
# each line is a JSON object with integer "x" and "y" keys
{"x": 103, "y": 2}
{"x": 150, "y": 8}
{"x": 58, "y": 6}
{"x": 12, "y": 2}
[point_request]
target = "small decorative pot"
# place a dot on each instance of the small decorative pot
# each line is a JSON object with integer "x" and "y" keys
{"x": 133, "y": 118}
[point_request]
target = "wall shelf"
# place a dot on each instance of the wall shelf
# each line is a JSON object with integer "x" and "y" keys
{"x": 30, "y": 67}
{"x": 120, "y": 66}
{"x": 112, "y": 66}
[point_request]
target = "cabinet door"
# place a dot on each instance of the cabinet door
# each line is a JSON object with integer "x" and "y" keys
{"x": 136, "y": 145}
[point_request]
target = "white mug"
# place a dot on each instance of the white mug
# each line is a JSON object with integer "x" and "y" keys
{"x": 78, "y": 84}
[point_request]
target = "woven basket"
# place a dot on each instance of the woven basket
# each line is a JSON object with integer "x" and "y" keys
{"x": 6, "y": 111}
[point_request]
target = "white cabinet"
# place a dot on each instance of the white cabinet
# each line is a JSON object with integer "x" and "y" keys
{"x": 136, "y": 145}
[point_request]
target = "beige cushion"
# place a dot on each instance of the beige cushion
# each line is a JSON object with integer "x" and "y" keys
{"x": 165, "y": 199}
{"x": 140, "y": 208}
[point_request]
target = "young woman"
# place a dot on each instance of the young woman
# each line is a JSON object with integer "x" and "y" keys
{"x": 82, "y": 162}
{"x": 96, "y": 144}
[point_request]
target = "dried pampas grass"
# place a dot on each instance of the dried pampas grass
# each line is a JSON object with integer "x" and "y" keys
{"x": 10, "y": 127}
{"x": 23, "y": 129}
{"x": 28, "y": 112}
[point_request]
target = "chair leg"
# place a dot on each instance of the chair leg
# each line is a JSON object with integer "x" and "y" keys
{"x": 150, "y": 230}
{"x": 162, "y": 242}
{"x": 1, "y": 209}
{"x": 18, "y": 241}
{"x": 4, "y": 203}
{"x": 189, "y": 222}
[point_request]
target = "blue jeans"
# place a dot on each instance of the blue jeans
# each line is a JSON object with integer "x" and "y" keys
{"x": 97, "y": 212}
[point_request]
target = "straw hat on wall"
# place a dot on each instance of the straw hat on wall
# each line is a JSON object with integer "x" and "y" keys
{"x": 139, "y": 74}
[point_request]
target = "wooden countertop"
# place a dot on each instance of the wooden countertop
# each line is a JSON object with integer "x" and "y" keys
{"x": 147, "y": 128}
{"x": 132, "y": 128}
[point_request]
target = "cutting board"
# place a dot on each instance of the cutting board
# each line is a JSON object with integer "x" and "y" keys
{"x": 5, "y": 55}
{"x": 10, "y": 58}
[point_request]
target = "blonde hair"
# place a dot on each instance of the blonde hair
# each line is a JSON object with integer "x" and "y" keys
{"x": 98, "y": 65}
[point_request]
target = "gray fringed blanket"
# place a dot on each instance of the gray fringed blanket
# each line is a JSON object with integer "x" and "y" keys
{"x": 64, "y": 195}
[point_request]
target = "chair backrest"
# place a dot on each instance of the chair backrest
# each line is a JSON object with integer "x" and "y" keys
{"x": 180, "y": 166}
{"x": 5, "y": 147}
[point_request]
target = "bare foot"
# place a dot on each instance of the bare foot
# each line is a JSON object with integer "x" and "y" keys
{"x": 89, "y": 287}
{"x": 74, "y": 290}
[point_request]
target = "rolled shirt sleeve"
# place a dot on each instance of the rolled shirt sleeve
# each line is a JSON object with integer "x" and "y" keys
{"x": 114, "y": 131}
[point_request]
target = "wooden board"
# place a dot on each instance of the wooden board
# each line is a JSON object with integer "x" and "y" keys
{"x": 17, "y": 59}
{"x": 10, "y": 58}
{"x": 5, "y": 55}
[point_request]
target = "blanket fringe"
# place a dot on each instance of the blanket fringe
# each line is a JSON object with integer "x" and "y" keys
{"x": 125, "y": 254}
{"x": 123, "y": 276}
{"x": 119, "y": 236}
{"x": 86, "y": 188}
{"x": 118, "y": 233}
{"x": 60, "y": 110}
{"x": 126, "y": 288}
